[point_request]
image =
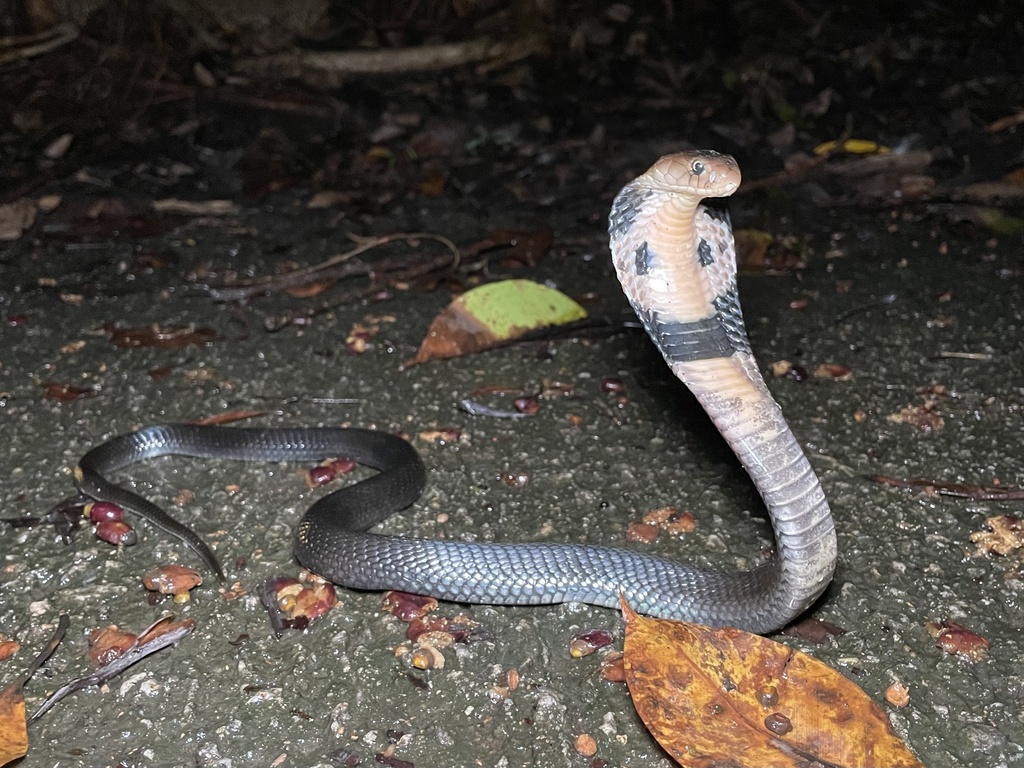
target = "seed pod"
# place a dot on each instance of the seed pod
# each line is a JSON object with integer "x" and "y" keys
{"x": 586, "y": 643}
{"x": 98, "y": 511}
{"x": 427, "y": 657}
{"x": 319, "y": 476}
{"x": 116, "y": 532}
{"x": 172, "y": 579}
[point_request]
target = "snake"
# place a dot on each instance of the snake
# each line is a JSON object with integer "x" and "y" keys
{"x": 675, "y": 258}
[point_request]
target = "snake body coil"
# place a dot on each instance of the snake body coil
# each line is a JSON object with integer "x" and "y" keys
{"x": 676, "y": 261}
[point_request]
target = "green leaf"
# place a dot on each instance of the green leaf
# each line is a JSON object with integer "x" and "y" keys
{"x": 495, "y": 314}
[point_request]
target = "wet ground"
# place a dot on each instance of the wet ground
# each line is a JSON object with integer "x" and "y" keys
{"x": 906, "y": 278}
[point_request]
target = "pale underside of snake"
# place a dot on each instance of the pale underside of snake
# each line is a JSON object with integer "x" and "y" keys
{"x": 676, "y": 261}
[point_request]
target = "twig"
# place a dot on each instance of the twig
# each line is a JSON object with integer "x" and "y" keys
{"x": 157, "y": 636}
{"x": 26, "y": 46}
{"x": 336, "y": 267}
{"x": 957, "y": 490}
{"x": 424, "y": 58}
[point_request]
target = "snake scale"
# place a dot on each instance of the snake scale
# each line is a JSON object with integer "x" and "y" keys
{"x": 676, "y": 261}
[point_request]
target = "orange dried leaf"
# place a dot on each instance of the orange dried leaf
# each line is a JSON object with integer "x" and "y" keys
{"x": 13, "y": 726}
{"x": 715, "y": 697}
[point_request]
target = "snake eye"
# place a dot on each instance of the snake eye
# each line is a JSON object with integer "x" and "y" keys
{"x": 697, "y": 168}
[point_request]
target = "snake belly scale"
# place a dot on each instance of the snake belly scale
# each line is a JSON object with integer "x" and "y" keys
{"x": 675, "y": 259}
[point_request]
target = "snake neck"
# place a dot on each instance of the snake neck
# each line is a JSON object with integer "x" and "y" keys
{"x": 676, "y": 261}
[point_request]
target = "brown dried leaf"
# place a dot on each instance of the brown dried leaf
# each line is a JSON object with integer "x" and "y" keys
{"x": 526, "y": 246}
{"x": 109, "y": 643}
{"x": 717, "y": 697}
{"x": 815, "y": 630}
{"x": 65, "y": 393}
{"x": 758, "y": 251}
{"x": 115, "y": 657}
{"x": 113, "y": 221}
{"x": 160, "y": 337}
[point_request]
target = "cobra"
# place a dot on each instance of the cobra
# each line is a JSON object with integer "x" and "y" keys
{"x": 675, "y": 258}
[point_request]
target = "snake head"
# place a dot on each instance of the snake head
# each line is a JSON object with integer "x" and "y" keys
{"x": 702, "y": 172}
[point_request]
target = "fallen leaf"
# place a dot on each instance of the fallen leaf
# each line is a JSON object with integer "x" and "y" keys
{"x": 109, "y": 643}
{"x": 722, "y": 697}
{"x": 815, "y": 630}
{"x": 117, "y": 653}
{"x": 160, "y": 337}
{"x": 115, "y": 223}
{"x": 526, "y": 246}
{"x": 758, "y": 251}
{"x": 431, "y": 184}
{"x": 65, "y": 393}
{"x": 495, "y": 314}
{"x": 999, "y": 222}
{"x": 13, "y": 724}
